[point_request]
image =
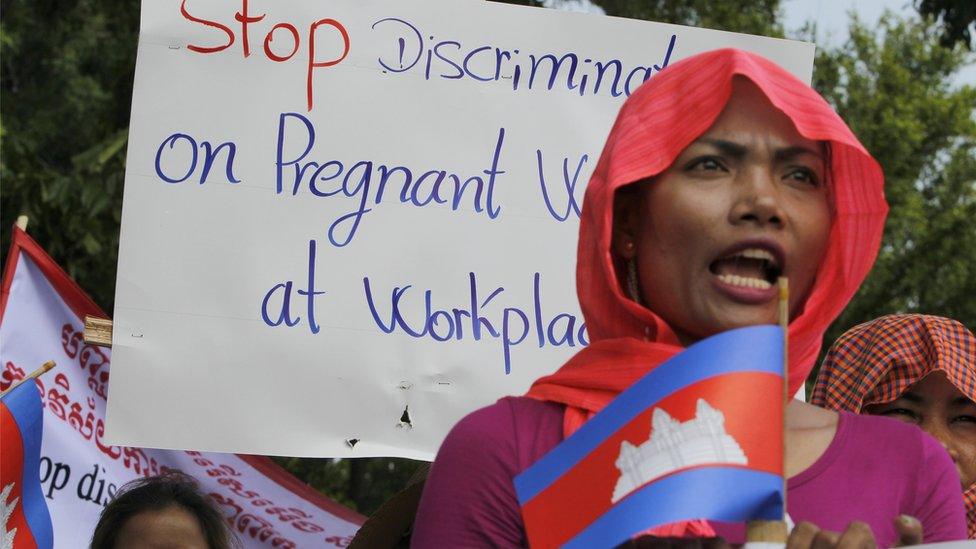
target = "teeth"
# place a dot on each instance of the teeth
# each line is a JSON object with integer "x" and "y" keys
{"x": 745, "y": 281}
{"x": 757, "y": 253}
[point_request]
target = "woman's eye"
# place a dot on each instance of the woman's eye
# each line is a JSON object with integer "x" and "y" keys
{"x": 707, "y": 164}
{"x": 803, "y": 175}
{"x": 903, "y": 414}
{"x": 965, "y": 419}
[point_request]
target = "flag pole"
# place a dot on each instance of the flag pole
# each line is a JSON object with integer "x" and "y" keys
{"x": 33, "y": 375}
{"x": 784, "y": 323}
{"x": 775, "y": 531}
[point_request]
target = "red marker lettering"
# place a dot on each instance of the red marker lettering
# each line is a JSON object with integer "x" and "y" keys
{"x": 312, "y": 64}
{"x": 267, "y": 42}
{"x": 214, "y": 24}
{"x": 245, "y": 20}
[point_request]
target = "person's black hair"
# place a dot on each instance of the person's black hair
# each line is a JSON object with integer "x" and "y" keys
{"x": 157, "y": 493}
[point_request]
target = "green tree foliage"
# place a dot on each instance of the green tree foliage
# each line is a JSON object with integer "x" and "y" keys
{"x": 892, "y": 84}
{"x": 760, "y": 17}
{"x": 958, "y": 19}
{"x": 66, "y": 78}
{"x": 748, "y": 16}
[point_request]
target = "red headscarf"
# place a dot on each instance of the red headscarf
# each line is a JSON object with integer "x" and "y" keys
{"x": 877, "y": 361}
{"x": 656, "y": 123}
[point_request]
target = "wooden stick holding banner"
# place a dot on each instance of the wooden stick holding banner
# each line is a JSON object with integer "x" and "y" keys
{"x": 98, "y": 331}
{"x": 33, "y": 375}
{"x": 776, "y": 531}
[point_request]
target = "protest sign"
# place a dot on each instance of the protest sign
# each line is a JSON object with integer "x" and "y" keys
{"x": 41, "y": 318}
{"x": 346, "y": 224}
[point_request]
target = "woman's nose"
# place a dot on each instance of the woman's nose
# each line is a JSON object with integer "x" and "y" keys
{"x": 757, "y": 199}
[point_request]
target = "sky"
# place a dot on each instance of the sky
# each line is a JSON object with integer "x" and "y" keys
{"x": 831, "y": 16}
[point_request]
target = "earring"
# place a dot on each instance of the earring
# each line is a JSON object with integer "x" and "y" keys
{"x": 632, "y": 285}
{"x": 629, "y": 246}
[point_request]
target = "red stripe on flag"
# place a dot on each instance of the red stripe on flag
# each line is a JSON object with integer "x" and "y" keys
{"x": 12, "y": 473}
{"x": 584, "y": 493}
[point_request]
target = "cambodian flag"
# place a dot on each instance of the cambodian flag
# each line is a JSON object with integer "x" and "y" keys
{"x": 23, "y": 510}
{"x": 699, "y": 437}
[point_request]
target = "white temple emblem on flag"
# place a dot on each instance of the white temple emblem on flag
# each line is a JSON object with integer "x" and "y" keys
{"x": 6, "y": 510}
{"x": 674, "y": 445}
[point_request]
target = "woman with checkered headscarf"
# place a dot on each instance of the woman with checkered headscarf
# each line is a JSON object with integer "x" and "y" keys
{"x": 917, "y": 368}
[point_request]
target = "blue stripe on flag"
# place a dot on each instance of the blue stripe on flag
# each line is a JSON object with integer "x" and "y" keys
{"x": 727, "y": 494}
{"x": 750, "y": 349}
{"x": 24, "y": 404}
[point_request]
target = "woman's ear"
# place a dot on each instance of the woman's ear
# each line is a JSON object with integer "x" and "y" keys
{"x": 626, "y": 221}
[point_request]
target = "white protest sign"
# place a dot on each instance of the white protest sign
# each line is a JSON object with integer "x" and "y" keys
{"x": 347, "y": 224}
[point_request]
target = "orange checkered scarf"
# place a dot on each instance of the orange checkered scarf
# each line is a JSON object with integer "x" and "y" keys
{"x": 877, "y": 361}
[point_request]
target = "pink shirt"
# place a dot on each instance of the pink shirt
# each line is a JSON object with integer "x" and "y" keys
{"x": 875, "y": 469}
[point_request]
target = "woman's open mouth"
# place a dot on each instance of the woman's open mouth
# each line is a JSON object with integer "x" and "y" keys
{"x": 748, "y": 272}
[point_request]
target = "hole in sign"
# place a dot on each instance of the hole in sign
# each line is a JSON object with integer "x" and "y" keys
{"x": 405, "y": 419}
{"x": 351, "y": 442}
